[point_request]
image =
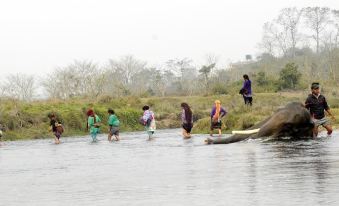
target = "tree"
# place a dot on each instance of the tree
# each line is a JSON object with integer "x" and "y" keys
{"x": 121, "y": 73}
{"x": 81, "y": 78}
{"x": 185, "y": 72}
{"x": 205, "y": 71}
{"x": 317, "y": 19}
{"x": 20, "y": 86}
{"x": 289, "y": 76}
{"x": 261, "y": 79}
{"x": 274, "y": 38}
{"x": 289, "y": 19}
{"x": 179, "y": 65}
{"x": 336, "y": 24}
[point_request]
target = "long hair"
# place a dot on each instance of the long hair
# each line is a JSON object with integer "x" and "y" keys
{"x": 217, "y": 109}
{"x": 246, "y": 77}
{"x": 188, "y": 112}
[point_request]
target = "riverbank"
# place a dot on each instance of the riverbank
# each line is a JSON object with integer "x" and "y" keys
{"x": 29, "y": 120}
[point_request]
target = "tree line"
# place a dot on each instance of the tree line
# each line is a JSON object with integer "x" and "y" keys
{"x": 299, "y": 45}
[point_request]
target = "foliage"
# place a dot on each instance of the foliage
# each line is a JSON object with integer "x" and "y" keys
{"x": 289, "y": 76}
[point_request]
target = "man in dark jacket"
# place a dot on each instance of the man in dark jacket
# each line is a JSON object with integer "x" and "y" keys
{"x": 317, "y": 105}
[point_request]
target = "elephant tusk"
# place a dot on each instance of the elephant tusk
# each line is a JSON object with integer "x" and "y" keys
{"x": 252, "y": 131}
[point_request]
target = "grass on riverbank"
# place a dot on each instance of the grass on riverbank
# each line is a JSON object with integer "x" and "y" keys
{"x": 29, "y": 120}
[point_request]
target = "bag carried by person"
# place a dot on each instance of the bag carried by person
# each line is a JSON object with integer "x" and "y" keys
{"x": 59, "y": 128}
{"x": 96, "y": 124}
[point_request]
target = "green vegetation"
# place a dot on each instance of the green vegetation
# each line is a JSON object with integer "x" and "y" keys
{"x": 30, "y": 120}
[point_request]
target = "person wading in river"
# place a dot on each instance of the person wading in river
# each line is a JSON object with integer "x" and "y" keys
{"x": 316, "y": 103}
{"x": 56, "y": 127}
{"x": 187, "y": 120}
{"x": 148, "y": 121}
{"x": 93, "y": 124}
{"x": 113, "y": 124}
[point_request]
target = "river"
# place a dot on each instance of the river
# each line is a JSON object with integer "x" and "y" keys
{"x": 169, "y": 171}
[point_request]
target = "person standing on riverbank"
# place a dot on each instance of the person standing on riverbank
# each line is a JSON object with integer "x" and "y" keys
{"x": 113, "y": 124}
{"x": 246, "y": 90}
{"x": 317, "y": 105}
{"x": 148, "y": 121}
{"x": 216, "y": 114}
{"x": 56, "y": 127}
{"x": 187, "y": 120}
{"x": 93, "y": 124}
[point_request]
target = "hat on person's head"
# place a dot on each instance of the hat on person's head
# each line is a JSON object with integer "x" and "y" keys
{"x": 315, "y": 85}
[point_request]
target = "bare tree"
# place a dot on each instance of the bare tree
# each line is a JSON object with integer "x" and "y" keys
{"x": 184, "y": 71}
{"x": 121, "y": 73}
{"x": 211, "y": 58}
{"x": 275, "y": 37}
{"x": 336, "y": 24}
{"x": 81, "y": 78}
{"x": 179, "y": 65}
{"x": 317, "y": 18}
{"x": 127, "y": 66}
{"x": 20, "y": 86}
{"x": 289, "y": 19}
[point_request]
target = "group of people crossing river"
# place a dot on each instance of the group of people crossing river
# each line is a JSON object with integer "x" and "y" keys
{"x": 316, "y": 103}
{"x": 94, "y": 122}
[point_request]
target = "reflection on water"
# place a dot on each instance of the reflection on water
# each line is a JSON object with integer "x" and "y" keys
{"x": 169, "y": 171}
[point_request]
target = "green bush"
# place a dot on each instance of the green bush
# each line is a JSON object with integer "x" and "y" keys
{"x": 289, "y": 76}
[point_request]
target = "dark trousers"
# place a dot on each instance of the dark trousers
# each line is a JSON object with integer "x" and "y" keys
{"x": 248, "y": 100}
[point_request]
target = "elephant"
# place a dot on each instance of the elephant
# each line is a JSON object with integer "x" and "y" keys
{"x": 293, "y": 120}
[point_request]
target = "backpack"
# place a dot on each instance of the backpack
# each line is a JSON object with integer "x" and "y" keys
{"x": 59, "y": 128}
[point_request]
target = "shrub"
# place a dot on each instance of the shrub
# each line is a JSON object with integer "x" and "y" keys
{"x": 289, "y": 76}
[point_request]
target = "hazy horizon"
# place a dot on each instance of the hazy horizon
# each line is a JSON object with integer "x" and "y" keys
{"x": 38, "y": 36}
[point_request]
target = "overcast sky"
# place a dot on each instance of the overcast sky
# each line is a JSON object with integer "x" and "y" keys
{"x": 36, "y": 36}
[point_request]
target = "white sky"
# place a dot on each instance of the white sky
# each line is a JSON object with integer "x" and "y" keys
{"x": 38, "y": 35}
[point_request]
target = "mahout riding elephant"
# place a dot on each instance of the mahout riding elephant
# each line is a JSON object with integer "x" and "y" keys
{"x": 293, "y": 120}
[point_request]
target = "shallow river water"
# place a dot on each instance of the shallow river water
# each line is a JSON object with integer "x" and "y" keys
{"x": 169, "y": 171}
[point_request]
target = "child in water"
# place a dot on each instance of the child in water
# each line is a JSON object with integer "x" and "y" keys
{"x": 216, "y": 114}
{"x": 187, "y": 120}
{"x": 113, "y": 123}
{"x": 56, "y": 128}
{"x": 93, "y": 124}
{"x": 148, "y": 121}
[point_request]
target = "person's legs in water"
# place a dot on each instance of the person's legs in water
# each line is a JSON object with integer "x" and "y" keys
{"x": 116, "y": 133}
{"x": 117, "y": 138}
{"x": 57, "y": 137}
{"x": 329, "y": 129}
{"x": 94, "y": 136}
{"x": 186, "y": 132}
{"x": 110, "y": 134}
{"x": 326, "y": 124}
{"x": 315, "y": 131}
{"x": 150, "y": 134}
{"x": 219, "y": 131}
